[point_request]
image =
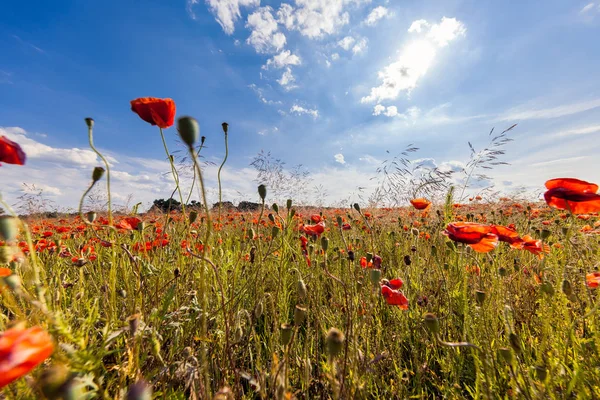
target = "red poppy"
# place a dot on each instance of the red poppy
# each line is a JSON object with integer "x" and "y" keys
{"x": 316, "y": 218}
{"x": 346, "y": 227}
{"x": 314, "y": 230}
{"x": 11, "y": 152}
{"x": 480, "y": 237}
{"x": 394, "y": 283}
{"x": 572, "y": 194}
{"x": 508, "y": 235}
{"x": 592, "y": 280}
{"x": 155, "y": 111}
{"x": 21, "y": 350}
{"x": 420, "y": 203}
{"x": 5, "y": 272}
{"x": 129, "y": 223}
{"x": 394, "y": 297}
{"x": 534, "y": 246}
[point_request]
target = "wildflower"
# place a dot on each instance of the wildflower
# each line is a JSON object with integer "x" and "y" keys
{"x": 534, "y": 246}
{"x": 394, "y": 297}
{"x": 480, "y": 237}
{"x": 155, "y": 111}
{"x": 21, "y": 350}
{"x": 420, "y": 203}
{"x": 11, "y": 152}
{"x": 129, "y": 223}
{"x": 592, "y": 280}
{"x": 572, "y": 194}
{"x": 508, "y": 235}
{"x": 314, "y": 230}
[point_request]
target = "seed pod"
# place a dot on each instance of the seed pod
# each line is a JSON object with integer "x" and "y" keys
{"x": 271, "y": 217}
{"x": 324, "y": 243}
{"x": 302, "y": 291}
{"x": 506, "y": 354}
{"x": 350, "y": 255}
{"x": 356, "y": 207}
{"x": 193, "y": 216}
{"x": 339, "y": 220}
{"x": 548, "y": 288}
{"x": 369, "y": 257}
{"x": 258, "y": 310}
{"x": 8, "y": 228}
{"x": 225, "y": 127}
{"x": 189, "y": 130}
{"x": 275, "y": 207}
{"x": 288, "y": 204}
{"x": 274, "y": 232}
{"x": 480, "y": 296}
{"x": 545, "y": 234}
{"x": 502, "y": 271}
{"x": 134, "y": 324}
{"x": 567, "y": 289}
{"x": 299, "y": 315}
{"x": 334, "y": 342}
{"x": 89, "y": 122}
{"x": 432, "y": 323}
{"x": 375, "y": 276}
{"x": 97, "y": 174}
{"x": 286, "y": 334}
{"x": 91, "y": 216}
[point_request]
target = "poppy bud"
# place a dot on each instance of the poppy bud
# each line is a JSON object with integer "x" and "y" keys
{"x": 339, "y": 220}
{"x": 189, "y": 130}
{"x": 225, "y": 126}
{"x": 262, "y": 191}
{"x": 299, "y": 315}
{"x": 407, "y": 260}
{"x": 97, "y": 174}
{"x": 271, "y": 218}
{"x": 334, "y": 341}
{"x": 506, "y": 354}
{"x": 54, "y": 380}
{"x": 301, "y": 289}
{"x": 91, "y": 216}
{"x": 548, "y": 288}
{"x": 89, "y": 122}
{"x": 567, "y": 289}
{"x": 6, "y": 254}
{"x": 202, "y": 140}
{"x": 480, "y": 296}
{"x": 350, "y": 255}
{"x": 414, "y": 231}
{"x": 432, "y": 323}
{"x": 292, "y": 212}
{"x": 356, "y": 207}
{"x": 375, "y": 276}
{"x": 540, "y": 372}
{"x": 565, "y": 230}
{"x": 515, "y": 343}
{"x": 324, "y": 243}
{"x": 274, "y": 231}
{"x": 433, "y": 251}
{"x": 259, "y": 309}
{"x": 134, "y": 324}
{"x": 8, "y": 228}
{"x": 502, "y": 271}
{"x": 545, "y": 233}
{"x": 286, "y": 334}
{"x": 140, "y": 226}
{"x": 139, "y": 391}
{"x": 275, "y": 207}
{"x": 369, "y": 257}
{"x": 288, "y": 204}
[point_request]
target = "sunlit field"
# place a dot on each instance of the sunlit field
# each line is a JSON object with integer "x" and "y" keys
{"x": 440, "y": 296}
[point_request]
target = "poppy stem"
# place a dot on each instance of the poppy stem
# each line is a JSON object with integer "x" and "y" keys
{"x": 173, "y": 169}
{"x": 91, "y": 139}
{"x": 219, "y": 175}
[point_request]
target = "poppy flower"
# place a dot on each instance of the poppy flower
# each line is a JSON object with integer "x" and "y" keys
{"x": 11, "y": 152}
{"x": 21, "y": 350}
{"x": 592, "y": 280}
{"x": 129, "y": 223}
{"x": 420, "y": 203}
{"x": 394, "y": 283}
{"x": 155, "y": 111}
{"x": 394, "y": 297}
{"x": 572, "y": 194}
{"x": 508, "y": 235}
{"x": 534, "y": 246}
{"x": 480, "y": 237}
{"x": 316, "y": 218}
{"x": 314, "y": 230}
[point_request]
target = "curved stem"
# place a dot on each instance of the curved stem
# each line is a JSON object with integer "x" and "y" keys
{"x": 173, "y": 169}
{"x": 91, "y": 138}
{"x": 219, "y": 176}
{"x": 193, "y": 179}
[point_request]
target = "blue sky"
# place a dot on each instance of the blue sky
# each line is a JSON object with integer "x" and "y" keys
{"x": 331, "y": 84}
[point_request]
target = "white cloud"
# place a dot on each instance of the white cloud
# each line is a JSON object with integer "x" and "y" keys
{"x": 376, "y": 15}
{"x": 282, "y": 59}
{"x": 391, "y": 111}
{"x": 369, "y": 159}
{"x": 287, "y": 79}
{"x": 526, "y": 112}
{"x": 339, "y": 158}
{"x": 346, "y": 43}
{"x": 265, "y": 37}
{"x": 578, "y": 131}
{"x": 415, "y": 59}
{"x": 360, "y": 46}
{"x": 260, "y": 93}
{"x": 226, "y": 12}
{"x": 335, "y": 57}
{"x": 587, "y": 8}
{"x": 299, "y": 110}
{"x": 316, "y": 18}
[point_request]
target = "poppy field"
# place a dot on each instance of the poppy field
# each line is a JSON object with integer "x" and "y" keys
{"x": 489, "y": 299}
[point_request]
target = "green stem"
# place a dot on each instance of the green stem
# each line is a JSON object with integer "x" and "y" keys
{"x": 219, "y": 176}
{"x": 173, "y": 169}
{"x": 91, "y": 138}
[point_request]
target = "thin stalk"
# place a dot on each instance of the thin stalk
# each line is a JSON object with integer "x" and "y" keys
{"x": 219, "y": 176}
{"x": 173, "y": 169}
{"x": 91, "y": 139}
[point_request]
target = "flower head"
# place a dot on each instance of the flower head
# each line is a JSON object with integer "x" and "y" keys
{"x": 155, "y": 111}
{"x": 480, "y": 237}
{"x": 420, "y": 204}
{"x": 11, "y": 152}
{"x": 572, "y": 194}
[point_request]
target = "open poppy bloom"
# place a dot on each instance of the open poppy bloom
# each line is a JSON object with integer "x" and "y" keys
{"x": 155, "y": 111}
{"x": 508, "y": 235}
{"x": 11, "y": 152}
{"x": 21, "y": 350}
{"x": 572, "y": 194}
{"x": 480, "y": 237}
{"x": 395, "y": 283}
{"x": 314, "y": 230}
{"x": 592, "y": 280}
{"x": 129, "y": 223}
{"x": 420, "y": 203}
{"x": 394, "y": 297}
{"x": 316, "y": 218}
{"x": 534, "y": 246}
